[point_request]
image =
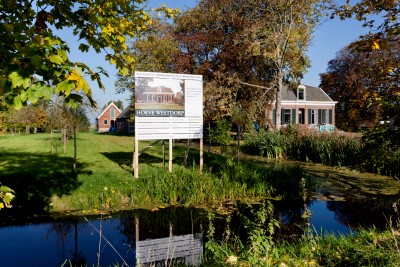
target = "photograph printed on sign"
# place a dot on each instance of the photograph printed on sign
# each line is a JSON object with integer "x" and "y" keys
{"x": 158, "y": 97}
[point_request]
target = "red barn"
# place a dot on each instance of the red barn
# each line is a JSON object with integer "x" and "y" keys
{"x": 106, "y": 120}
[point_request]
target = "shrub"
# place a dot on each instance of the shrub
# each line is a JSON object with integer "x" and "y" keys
{"x": 264, "y": 143}
{"x": 381, "y": 152}
{"x": 221, "y": 134}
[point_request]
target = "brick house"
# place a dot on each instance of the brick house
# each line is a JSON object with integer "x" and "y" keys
{"x": 106, "y": 120}
{"x": 125, "y": 121}
{"x": 159, "y": 94}
{"x": 306, "y": 105}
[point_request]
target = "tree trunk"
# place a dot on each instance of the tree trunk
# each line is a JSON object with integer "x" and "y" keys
{"x": 133, "y": 158}
{"x": 278, "y": 103}
{"x": 51, "y": 141}
{"x": 238, "y": 144}
{"x": 209, "y": 137}
{"x": 65, "y": 139}
{"x": 186, "y": 153}
{"x": 75, "y": 150}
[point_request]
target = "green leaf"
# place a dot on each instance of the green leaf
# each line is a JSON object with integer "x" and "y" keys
{"x": 62, "y": 54}
{"x": 83, "y": 47}
{"x": 17, "y": 102}
{"x": 73, "y": 100}
{"x": 17, "y": 80}
{"x": 51, "y": 41}
{"x": 36, "y": 60}
{"x": 65, "y": 87}
{"x": 7, "y": 198}
{"x": 6, "y": 189}
{"x": 56, "y": 59}
{"x": 40, "y": 90}
{"x": 23, "y": 96}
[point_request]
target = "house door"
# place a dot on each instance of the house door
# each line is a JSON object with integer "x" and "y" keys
{"x": 159, "y": 99}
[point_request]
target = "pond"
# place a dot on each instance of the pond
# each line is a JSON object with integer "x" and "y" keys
{"x": 339, "y": 203}
{"x": 148, "y": 236}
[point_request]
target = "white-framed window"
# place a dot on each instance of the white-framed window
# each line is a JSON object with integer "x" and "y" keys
{"x": 112, "y": 113}
{"x": 105, "y": 122}
{"x": 301, "y": 116}
{"x": 313, "y": 117}
{"x": 286, "y": 116}
{"x": 301, "y": 92}
{"x": 324, "y": 114}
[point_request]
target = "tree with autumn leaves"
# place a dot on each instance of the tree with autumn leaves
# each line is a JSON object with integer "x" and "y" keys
{"x": 365, "y": 84}
{"x": 364, "y": 76}
{"x": 257, "y": 46}
{"x": 245, "y": 50}
{"x": 381, "y": 17}
{"x": 34, "y": 61}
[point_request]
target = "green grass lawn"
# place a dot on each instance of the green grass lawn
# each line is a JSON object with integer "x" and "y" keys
{"x": 46, "y": 182}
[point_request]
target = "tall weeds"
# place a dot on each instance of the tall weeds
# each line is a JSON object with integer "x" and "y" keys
{"x": 334, "y": 149}
{"x": 377, "y": 150}
{"x": 187, "y": 186}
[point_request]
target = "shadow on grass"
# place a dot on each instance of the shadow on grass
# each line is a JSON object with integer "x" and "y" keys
{"x": 125, "y": 158}
{"x": 211, "y": 160}
{"x": 36, "y": 178}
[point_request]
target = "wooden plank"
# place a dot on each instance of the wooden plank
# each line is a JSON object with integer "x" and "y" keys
{"x": 170, "y": 155}
{"x": 201, "y": 155}
{"x": 136, "y": 159}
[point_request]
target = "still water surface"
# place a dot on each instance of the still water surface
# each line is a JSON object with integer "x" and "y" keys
{"x": 77, "y": 240}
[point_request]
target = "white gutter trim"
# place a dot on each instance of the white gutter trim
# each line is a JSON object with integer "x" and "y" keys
{"x": 309, "y": 103}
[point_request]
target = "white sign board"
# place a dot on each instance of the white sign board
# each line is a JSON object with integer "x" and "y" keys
{"x": 168, "y": 106}
{"x": 185, "y": 249}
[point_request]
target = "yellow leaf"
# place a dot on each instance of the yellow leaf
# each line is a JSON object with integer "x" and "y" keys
{"x": 80, "y": 82}
{"x": 121, "y": 38}
{"x": 108, "y": 30}
{"x": 375, "y": 45}
{"x": 73, "y": 76}
{"x": 1, "y": 206}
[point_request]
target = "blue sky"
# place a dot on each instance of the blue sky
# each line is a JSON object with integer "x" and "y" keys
{"x": 328, "y": 39}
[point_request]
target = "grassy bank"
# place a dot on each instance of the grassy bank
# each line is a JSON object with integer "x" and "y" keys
{"x": 366, "y": 248}
{"x": 260, "y": 243}
{"x": 46, "y": 182}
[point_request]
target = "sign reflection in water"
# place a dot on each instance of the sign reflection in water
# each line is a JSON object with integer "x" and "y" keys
{"x": 144, "y": 236}
{"x": 74, "y": 241}
{"x": 185, "y": 249}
